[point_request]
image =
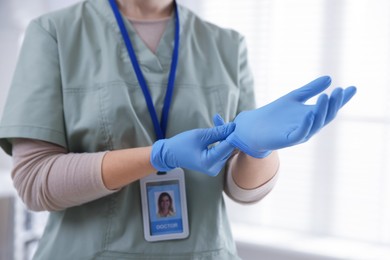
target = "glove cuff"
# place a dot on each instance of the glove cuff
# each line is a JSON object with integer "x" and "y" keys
{"x": 236, "y": 142}
{"x": 156, "y": 157}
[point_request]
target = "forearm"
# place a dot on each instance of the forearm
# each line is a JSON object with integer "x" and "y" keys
{"x": 47, "y": 177}
{"x": 250, "y": 173}
{"x": 122, "y": 167}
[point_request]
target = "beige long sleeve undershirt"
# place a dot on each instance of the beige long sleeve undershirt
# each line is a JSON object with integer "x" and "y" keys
{"x": 48, "y": 178}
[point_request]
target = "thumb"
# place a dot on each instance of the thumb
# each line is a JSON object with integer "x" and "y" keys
{"x": 311, "y": 89}
{"x": 218, "y": 120}
{"x": 217, "y": 133}
{"x": 220, "y": 152}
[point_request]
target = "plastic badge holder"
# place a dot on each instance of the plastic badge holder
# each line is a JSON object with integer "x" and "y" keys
{"x": 156, "y": 190}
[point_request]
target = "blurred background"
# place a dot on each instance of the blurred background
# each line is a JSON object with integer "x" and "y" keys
{"x": 332, "y": 199}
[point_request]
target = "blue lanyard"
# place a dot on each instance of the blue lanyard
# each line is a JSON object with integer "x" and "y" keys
{"x": 160, "y": 129}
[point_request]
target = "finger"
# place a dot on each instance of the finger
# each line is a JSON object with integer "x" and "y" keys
{"x": 220, "y": 152}
{"x": 311, "y": 89}
{"x": 219, "y": 158}
{"x": 218, "y": 120}
{"x": 335, "y": 102}
{"x": 348, "y": 94}
{"x": 320, "y": 115}
{"x": 217, "y": 133}
{"x": 300, "y": 132}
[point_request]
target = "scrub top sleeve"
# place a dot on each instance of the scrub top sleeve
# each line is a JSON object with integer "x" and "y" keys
{"x": 245, "y": 79}
{"x": 34, "y": 107}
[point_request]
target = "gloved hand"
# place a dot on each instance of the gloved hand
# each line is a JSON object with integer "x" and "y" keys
{"x": 191, "y": 150}
{"x": 287, "y": 121}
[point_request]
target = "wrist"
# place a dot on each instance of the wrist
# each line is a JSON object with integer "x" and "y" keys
{"x": 235, "y": 141}
{"x": 157, "y": 158}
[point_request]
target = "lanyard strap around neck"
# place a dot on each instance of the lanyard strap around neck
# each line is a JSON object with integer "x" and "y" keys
{"x": 160, "y": 129}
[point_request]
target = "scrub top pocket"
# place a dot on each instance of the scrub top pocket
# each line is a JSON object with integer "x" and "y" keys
{"x": 114, "y": 115}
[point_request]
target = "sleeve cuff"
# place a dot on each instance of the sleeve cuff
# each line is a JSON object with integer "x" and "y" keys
{"x": 245, "y": 196}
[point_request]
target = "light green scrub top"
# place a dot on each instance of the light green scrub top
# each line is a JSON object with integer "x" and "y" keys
{"x": 74, "y": 86}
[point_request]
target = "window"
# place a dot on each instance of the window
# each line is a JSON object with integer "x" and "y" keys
{"x": 338, "y": 183}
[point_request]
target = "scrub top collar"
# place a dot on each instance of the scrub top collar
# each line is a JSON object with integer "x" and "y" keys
{"x": 149, "y": 61}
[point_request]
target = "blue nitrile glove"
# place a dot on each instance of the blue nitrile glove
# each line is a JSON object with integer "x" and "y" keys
{"x": 191, "y": 150}
{"x": 287, "y": 121}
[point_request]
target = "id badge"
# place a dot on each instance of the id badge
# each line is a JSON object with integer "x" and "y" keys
{"x": 164, "y": 206}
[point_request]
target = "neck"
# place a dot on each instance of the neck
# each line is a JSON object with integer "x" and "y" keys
{"x": 146, "y": 9}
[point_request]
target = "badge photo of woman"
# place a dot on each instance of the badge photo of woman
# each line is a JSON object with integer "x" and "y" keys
{"x": 165, "y": 205}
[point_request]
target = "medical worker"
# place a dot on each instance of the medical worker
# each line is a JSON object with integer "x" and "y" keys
{"x": 106, "y": 93}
